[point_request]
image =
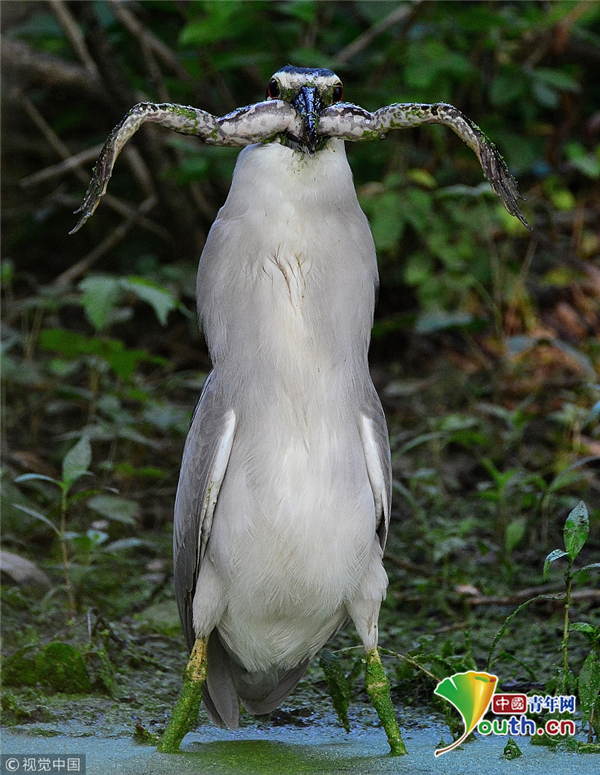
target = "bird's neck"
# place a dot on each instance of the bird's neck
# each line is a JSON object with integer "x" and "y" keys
{"x": 287, "y": 279}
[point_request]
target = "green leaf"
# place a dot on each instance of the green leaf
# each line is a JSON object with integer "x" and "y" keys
{"x": 30, "y": 477}
{"x": 440, "y": 320}
{"x": 7, "y": 271}
{"x": 587, "y": 629}
{"x": 579, "y": 357}
{"x": 589, "y": 685}
{"x": 517, "y": 345}
{"x": 160, "y": 299}
{"x": 417, "y": 205}
{"x": 423, "y": 438}
{"x": 565, "y": 479}
{"x": 418, "y": 268}
{"x": 422, "y": 178}
{"x": 556, "y": 79}
{"x": 591, "y": 566}
{"x": 576, "y": 530}
{"x": 386, "y": 217}
{"x": 514, "y": 533}
{"x": 100, "y": 297}
{"x": 508, "y": 86}
{"x": 37, "y": 515}
{"x": 77, "y": 461}
{"x": 126, "y": 543}
{"x": 115, "y": 508}
{"x": 555, "y": 555}
{"x": 122, "y": 360}
{"x": 220, "y": 21}
{"x": 587, "y": 163}
{"x": 306, "y": 10}
{"x": 89, "y": 542}
{"x": 594, "y": 413}
{"x": 427, "y": 62}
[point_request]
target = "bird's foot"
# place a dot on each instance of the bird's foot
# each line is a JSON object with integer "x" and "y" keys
{"x": 185, "y": 714}
{"x": 378, "y": 689}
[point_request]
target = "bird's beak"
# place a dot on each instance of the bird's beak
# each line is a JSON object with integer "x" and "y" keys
{"x": 308, "y": 103}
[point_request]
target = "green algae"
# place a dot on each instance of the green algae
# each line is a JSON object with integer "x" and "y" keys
{"x": 337, "y": 683}
{"x": 265, "y": 757}
{"x": 58, "y": 667}
{"x": 511, "y": 750}
{"x": 378, "y": 689}
{"x": 61, "y": 668}
{"x": 20, "y": 669}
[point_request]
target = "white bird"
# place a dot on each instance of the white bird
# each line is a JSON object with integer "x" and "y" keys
{"x": 283, "y": 504}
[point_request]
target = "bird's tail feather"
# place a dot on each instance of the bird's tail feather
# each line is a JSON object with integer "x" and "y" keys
{"x": 218, "y": 691}
{"x": 227, "y": 683}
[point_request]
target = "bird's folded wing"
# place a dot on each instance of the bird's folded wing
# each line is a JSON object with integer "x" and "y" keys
{"x": 373, "y": 433}
{"x": 205, "y": 459}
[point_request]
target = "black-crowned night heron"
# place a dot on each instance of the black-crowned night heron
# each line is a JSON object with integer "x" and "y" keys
{"x": 283, "y": 504}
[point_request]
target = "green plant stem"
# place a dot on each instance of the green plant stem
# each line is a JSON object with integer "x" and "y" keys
{"x": 410, "y": 661}
{"x": 545, "y": 505}
{"x": 509, "y": 619}
{"x": 65, "y": 556}
{"x": 565, "y": 640}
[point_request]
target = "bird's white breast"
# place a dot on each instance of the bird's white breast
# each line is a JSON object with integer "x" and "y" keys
{"x": 286, "y": 293}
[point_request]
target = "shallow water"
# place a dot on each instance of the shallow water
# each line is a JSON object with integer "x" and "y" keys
{"x": 279, "y": 750}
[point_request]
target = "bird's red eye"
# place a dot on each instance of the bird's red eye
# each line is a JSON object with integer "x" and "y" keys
{"x": 338, "y": 93}
{"x": 273, "y": 90}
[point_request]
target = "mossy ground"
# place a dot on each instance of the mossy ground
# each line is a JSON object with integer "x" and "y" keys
{"x": 147, "y": 664}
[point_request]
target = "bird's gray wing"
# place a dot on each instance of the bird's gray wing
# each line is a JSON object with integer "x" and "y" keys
{"x": 205, "y": 458}
{"x": 376, "y": 447}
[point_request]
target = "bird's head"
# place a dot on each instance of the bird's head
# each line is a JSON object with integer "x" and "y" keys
{"x": 309, "y": 90}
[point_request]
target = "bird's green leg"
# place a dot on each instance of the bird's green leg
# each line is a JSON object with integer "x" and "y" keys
{"x": 378, "y": 689}
{"x": 185, "y": 714}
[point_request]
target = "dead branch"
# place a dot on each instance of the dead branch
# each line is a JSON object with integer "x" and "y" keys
{"x": 397, "y": 15}
{"x": 173, "y": 201}
{"x": 74, "y": 35}
{"x": 137, "y": 165}
{"x": 64, "y": 153}
{"x": 519, "y": 597}
{"x": 139, "y": 31}
{"x": 56, "y": 170}
{"x": 82, "y": 266}
{"x": 49, "y": 70}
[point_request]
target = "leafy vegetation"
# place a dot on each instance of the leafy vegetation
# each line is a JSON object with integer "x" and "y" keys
{"x": 486, "y": 344}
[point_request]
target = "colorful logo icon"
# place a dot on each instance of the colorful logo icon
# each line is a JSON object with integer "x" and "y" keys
{"x": 471, "y": 694}
{"x": 507, "y": 704}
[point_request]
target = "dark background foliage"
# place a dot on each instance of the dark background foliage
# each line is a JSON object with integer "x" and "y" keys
{"x": 487, "y": 337}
